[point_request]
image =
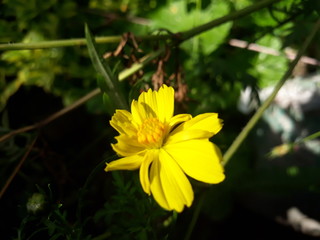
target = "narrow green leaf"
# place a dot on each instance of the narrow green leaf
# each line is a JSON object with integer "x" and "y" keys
{"x": 110, "y": 84}
{"x": 107, "y": 103}
{"x": 102, "y": 83}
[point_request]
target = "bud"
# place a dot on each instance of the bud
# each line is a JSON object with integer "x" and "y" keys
{"x": 280, "y": 150}
{"x": 36, "y": 203}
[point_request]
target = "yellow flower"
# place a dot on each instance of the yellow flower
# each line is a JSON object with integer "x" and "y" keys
{"x": 166, "y": 148}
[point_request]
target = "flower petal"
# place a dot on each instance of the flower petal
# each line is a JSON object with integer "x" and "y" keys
{"x": 148, "y": 100}
{"x": 158, "y": 104}
{"x": 200, "y": 159}
{"x": 138, "y": 112}
{"x": 126, "y": 163}
{"x": 179, "y": 119}
{"x": 165, "y": 100}
{"x": 206, "y": 122}
{"x": 176, "y": 186}
{"x": 155, "y": 184}
{"x": 186, "y": 135}
{"x": 127, "y": 146}
{"x": 144, "y": 170}
{"x": 122, "y": 122}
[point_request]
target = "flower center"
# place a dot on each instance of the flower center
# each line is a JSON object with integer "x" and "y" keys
{"x": 151, "y": 132}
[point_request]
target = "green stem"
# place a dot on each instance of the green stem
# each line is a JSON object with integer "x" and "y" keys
{"x": 195, "y": 217}
{"x": 83, "y": 190}
{"x": 103, "y": 236}
{"x": 310, "y": 137}
{"x": 137, "y": 66}
{"x": 252, "y": 122}
{"x": 73, "y": 42}
{"x": 123, "y": 75}
{"x": 243, "y": 134}
{"x": 108, "y": 84}
{"x": 115, "y": 39}
{"x": 230, "y": 17}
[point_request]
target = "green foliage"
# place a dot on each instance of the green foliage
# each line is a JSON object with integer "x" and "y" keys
{"x": 130, "y": 214}
{"x": 180, "y": 16}
{"x": 46, "y": 218}
{"x": 264, "y": 69}
{"x": 108, "y": 84}
{"x": 36, "y": 83}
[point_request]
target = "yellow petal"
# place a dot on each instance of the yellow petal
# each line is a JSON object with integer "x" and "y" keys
{"x": 179, "y": 119}
{"x": 122, "y": 122}
{"x": 138, "y": 113}
{"x": 155, "y": 185}
{"x": 165, "y": 101}
{"x": 186, "y": 135}
{"x": 158, "y": 104}
{"x": 176, "y": 187}
{"x": 206, "y": 122}
{"x": 126, "y": 148}
{"x": 126, "y": 163}
{"x": 149, "y": 101}
{"x": 200, "y": 159}
{"x": 144, "y": 170}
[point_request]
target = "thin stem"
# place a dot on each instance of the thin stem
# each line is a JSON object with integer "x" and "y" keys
{"x": 74, "y": 42}
{"x": 195, "y": 217}
{"x": 230, "y": 17}
{"x": 243, "y": 134}
{"x": 123, "y": 75}
{"x": 52, "y": 117}
{"x": 102, "y": 236}
{"x": 83, "y": 190}
{"x": 252, "y": 122}
{"x": 310, "y": 137}
{"x": 115, "y": 39}
{"x": 138, "y": 66}
{"x": 17, "y": 168}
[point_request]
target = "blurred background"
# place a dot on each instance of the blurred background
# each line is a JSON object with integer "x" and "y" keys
{"x": 272, "y": 186}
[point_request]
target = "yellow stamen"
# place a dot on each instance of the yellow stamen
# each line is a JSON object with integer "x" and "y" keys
{"x": 151, "y": 132}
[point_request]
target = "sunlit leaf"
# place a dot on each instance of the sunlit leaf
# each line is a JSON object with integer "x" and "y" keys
{"x": 176, "y": 18}
{"x": 110, "y": 85}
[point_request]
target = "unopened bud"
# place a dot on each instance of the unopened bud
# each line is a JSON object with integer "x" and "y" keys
{"x": 280, "y": 150}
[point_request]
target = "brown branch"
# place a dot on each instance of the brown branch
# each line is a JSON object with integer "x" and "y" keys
{"x": 52, "y": 117}
{"x": 270, "y": 51}
{"x": 123, "y": 75}
{"x": 17, "y": 168}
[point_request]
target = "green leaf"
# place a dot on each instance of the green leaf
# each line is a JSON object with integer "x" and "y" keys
{"x": 102, "y": 83}
{"x": 269, "y": 68}
{"x": 107, "y": 82}
{"x": 107, "y": 103}
{"x": 176, "y": 18}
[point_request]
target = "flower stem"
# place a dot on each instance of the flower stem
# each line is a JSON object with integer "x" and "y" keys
{"x": 252, "y": 122}
{"x": 195, "y": 217}
{"x": 84, "y": 189}
{"x": 310, "y": 137}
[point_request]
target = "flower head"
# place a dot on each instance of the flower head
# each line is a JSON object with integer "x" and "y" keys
{"x": 166, "y": 148}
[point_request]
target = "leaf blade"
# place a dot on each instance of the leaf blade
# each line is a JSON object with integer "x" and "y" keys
{"x": 110, "y": 84}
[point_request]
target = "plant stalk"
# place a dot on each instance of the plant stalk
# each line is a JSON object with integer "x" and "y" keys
{"x": 75, "y": 42}
{"x": 230, "y": 17}
{"x": 17, "y": 168}
{"x": 180, "y": 37}
{"x": 252, "y": 122}
{"x": 123, "y": 75}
